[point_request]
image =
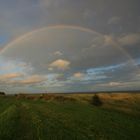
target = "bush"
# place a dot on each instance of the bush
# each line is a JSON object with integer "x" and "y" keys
{"x": 63, "y": 98}
{"x": 47, "y": 97}
{"x": 96, "y": 100}
{"x": 2, "y": 93}
{"x": 20, "y": 96}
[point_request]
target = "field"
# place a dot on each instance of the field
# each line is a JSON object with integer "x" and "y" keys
{"x": 70, "y": 117}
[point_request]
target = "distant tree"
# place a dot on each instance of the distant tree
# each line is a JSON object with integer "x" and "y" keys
{"x": 96, "y": 100}
{"x": 2, "y": 93}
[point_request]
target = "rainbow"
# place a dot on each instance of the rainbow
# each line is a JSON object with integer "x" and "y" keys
{"x": 17, "y": 40}
{"x": 21, "y": 38}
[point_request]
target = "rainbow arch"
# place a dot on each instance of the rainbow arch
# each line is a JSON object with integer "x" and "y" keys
{"x": 88, "y": 30}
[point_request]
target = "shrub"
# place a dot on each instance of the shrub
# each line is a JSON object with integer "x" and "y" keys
{"x": 63, "y": 98}
{"x": 20, "y": 96}
{"x": 47, "y": 97}
{"x": 96, "y": 100}
{"x": 2, "y": 93}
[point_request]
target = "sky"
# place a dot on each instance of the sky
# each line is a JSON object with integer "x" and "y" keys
{"x": 69, "y": 45}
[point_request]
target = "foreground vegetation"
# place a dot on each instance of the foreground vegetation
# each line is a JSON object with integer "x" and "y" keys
{"x": 70, "y": 117}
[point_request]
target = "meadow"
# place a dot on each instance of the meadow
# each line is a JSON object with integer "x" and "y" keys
{"x": 70, "y": 117}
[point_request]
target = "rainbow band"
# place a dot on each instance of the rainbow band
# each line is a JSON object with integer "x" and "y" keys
{"x": 64, "y": 27}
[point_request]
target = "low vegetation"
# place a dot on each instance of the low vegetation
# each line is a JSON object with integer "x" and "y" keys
{"x": 70, "y": 117}
{"x": 2, "y": 93}
{"x": 95, "y": 100}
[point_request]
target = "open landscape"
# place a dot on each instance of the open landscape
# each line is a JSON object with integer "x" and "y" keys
{"x": 69, "y": 69}
{"x": 70, "y": 116}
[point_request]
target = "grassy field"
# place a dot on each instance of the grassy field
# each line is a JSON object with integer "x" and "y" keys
{"x": 70, "y": 117}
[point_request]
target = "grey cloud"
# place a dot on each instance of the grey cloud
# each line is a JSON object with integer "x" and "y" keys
{"x": 114, "y": 20}
{"x": 81, "y": 49}
{"x": 114, "y": 43}
{"x": 130, "y": 39}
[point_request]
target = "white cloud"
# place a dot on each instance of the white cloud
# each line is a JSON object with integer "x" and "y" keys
{"x": 58, "y": 53}
{"x": 88, "y": 14}
{"x": 78, "y": 75}
{"x": 114, "y": 83}
{"x": 50, "y": 69}
{"x": 60, "y": 64}
{"x": 49, "y": 3}
{"x": 34, "y": 79}
{"x": 109, "y": 40}
{"x": 10, "y": 76}
{"x": 130, "y": 39}
{"x": 9, "y": 66}
{"x": 114, "y": 20}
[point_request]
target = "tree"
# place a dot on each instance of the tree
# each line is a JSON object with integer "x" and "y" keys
{"x": 2, "y": 93}
{"x": 96, "y": 100}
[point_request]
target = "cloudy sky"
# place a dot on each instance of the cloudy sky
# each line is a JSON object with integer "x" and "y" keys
{"x": 69, "y": 45}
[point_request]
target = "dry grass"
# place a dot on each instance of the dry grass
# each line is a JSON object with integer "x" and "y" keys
{"x": 126, "y": 102}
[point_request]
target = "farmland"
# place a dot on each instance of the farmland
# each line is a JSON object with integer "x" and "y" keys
{"x": 70, "y": 117}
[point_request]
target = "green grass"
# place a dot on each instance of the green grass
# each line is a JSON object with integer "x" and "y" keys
{"x": 25, "y": 119}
